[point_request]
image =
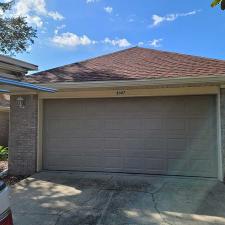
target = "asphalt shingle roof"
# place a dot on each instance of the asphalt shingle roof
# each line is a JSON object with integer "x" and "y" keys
{"x": 132, "y": 64}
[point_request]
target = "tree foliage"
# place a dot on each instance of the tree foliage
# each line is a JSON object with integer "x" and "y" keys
{"x": 15, "y": 34}
{"x": 221, "y": 2}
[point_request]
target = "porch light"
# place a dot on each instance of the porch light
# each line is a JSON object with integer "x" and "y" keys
{"x": 20, "y": 102}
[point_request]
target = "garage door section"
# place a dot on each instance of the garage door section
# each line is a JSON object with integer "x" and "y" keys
{"x": 158, "y": 135}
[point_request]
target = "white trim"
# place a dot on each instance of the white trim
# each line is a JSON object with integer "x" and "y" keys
{"x": 9, "y": 76}
{"x": 4, "y": 109}
{"x": 134, "y": 83}
{"x": 17, "y": 63}
{"x": 39, "y": 135}
{"x": 219, "y": 139}
{"x": 9, "y": 67}
{"x": 146, "y": 83}
{"x": 130, "y": 92}
{"x": 25, "y": 92}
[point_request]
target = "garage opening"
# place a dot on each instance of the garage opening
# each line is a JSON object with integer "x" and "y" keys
{"x": 152, "y": 135}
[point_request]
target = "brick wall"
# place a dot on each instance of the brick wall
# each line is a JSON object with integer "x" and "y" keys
{"x": 4, "y": 128}
{"x": 23, "y": 136}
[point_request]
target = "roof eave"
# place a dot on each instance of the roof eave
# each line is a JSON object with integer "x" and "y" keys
{"x": 20, "y": 84}
{"x": 18, "y": 63}
{"x": 143, "y": 82}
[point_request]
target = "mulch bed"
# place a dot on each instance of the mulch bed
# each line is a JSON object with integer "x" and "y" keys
{"x": 3, "y": 165}
{"x": 9, "y": 180}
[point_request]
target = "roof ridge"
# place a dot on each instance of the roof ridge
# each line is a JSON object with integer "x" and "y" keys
{"x": 124, "y": 50}
{"x": 83, "y": 61}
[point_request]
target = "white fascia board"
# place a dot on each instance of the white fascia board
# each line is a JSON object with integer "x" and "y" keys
{"x": 18, "y": 63}
{"x": 4, "y": 109}
{"x": 135, "y": 83}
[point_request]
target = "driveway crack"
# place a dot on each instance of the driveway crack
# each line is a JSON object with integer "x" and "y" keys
{"x": 159, "y": 189}
{"x": 105, "y": 208}
{"x": 155, "y": 204}
{"x": 73, "y": 208}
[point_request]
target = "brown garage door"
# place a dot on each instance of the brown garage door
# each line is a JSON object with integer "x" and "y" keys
{"x": 158, "y": 135}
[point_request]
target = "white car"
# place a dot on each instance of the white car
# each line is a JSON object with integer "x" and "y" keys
{"x": 5, "y": 211}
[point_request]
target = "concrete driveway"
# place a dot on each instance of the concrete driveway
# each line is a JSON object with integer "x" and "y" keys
{"x": 64, "y": 198}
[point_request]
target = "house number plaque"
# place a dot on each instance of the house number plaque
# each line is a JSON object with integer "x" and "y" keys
{"x": 120, "y": 92}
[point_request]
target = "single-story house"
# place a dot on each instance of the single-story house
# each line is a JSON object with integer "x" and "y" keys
{"x": 133, "y": 111}
{"x": 4, "y": 119}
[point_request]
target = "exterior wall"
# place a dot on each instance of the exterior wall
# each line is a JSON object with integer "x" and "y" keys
{"x": 4, "y": 128}
{"x": 23, "y": 136}
{"x": 222, "y": 110}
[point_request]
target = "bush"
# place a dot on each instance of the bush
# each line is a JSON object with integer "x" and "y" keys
{"x": 4, "y": 153}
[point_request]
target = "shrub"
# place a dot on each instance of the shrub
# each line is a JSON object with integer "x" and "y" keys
{"x": 4, "y": 153}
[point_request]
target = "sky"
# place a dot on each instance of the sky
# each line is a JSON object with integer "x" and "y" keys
{"x": 74, "y": 30}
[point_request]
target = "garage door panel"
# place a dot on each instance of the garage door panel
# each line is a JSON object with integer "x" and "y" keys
{"x": 178, "y": 166}
{"x": 152, "y": 133}
{"x": 154, "y": 153}
{"x": 178, "y": 104}
{"x": 65, "y": 162}
{"x": 133, "y": 152}
{"x": 176, "y": 144}
{"x": 134, "y": 164}
{"x": 55, "y": 124}
{"x": 155, "y": 164}
{"x": 61, "y": 143}
{"x": 175, "y": 124}
{"x": 95, "y": 152}
{"x": 112, "y": 153}
{"x": 131, "y": 143}
{"x": 154, "y": 106}
{"x": 111, "y": 134}
{"x": 152, "y": 124}
{"x": 201, "y": 154}
{"x": 112, "y": 124}
{"x": 155, "y": 143}
{"x": 93, "y": 162}
{"x": 111, "y": 143}
{"x": 204, "y": 167}
{"x": 58, "y": 111}
{"x": 197, "y": 124}
{"x": 93, "y": 143}
{"x": 113, "y": 163}
{"x": 91, "y": 133}
{"x": 131, "y": 124}
{"x": 158, "y": 135}
{"x": 128, "y": 134}
{"x": 92, "y": 124}
{"x": 178, "y": 154}
{"x": 60, "y": 152}
{"x": 199, "y": 106}
{"x": 176, "y": 133}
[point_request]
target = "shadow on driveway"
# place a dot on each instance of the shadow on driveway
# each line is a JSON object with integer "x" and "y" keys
{"x": 70, "y": 198}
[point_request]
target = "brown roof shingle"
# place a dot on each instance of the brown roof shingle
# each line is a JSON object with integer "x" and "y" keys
{"x": 132, "y": 64}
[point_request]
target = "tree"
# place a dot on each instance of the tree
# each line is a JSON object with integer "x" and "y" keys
{"x": 216, "y": 2}
{"x": 15, "y": 34}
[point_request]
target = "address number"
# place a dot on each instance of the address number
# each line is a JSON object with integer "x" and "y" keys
{"x": 120, "y": 92}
